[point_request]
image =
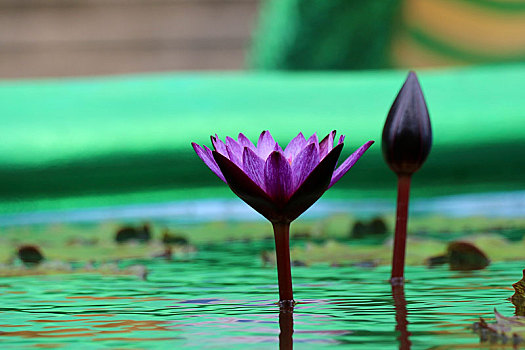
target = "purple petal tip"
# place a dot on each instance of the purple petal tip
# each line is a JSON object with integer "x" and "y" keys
{"x": 349, "y": 162}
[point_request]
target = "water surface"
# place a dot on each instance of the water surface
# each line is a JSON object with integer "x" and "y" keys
{"x": 224, "y": 298}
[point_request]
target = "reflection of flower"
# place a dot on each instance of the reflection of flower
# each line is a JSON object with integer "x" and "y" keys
{"x": 279, "y": 184}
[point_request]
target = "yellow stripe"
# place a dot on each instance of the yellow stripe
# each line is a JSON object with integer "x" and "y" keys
{"x": 469, "y": 27}
{"x": 408, "y": 54}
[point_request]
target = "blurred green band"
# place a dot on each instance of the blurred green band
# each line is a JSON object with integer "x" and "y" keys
{"x": 104, "y": 136}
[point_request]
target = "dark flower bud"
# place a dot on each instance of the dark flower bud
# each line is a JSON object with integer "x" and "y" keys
{"x": 407, "y": 135}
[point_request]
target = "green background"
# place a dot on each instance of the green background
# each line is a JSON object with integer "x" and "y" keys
{"x": 114, "y": 140}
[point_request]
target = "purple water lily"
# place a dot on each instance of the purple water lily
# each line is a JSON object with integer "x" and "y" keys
{"x": 279, "y": 184}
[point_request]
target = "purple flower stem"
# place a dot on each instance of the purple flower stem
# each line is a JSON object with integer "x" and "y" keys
{"x": 400, "y": 237}
{"x": 281, "y": 231}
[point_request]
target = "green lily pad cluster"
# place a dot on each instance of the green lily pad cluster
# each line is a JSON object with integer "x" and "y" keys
{"x": 419, "y": 252}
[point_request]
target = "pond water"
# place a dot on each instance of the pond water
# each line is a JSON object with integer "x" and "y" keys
{"x": 224, "y": 298}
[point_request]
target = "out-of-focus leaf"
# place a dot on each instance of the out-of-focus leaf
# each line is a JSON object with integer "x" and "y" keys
{"x": 506, "y": 330}
{"x": 465, "y": 256}
{"x": 518, "y": 298}
{"x": 461, "y": 256}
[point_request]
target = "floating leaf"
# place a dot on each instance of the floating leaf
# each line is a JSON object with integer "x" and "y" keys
{"x": 375, "y": 227}
{"x": 60, "y": 267}
{"x": 518, "y": 299}
{"x": 506, "y": 330}
{"x": 465, "y": 256}
{"x": 462, "y": 256}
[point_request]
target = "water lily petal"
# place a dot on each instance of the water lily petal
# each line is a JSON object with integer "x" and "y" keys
{"x": 245, "y": 142}
{"x": 207, "y": 157}
{"x": 219, "y": 145}
{"x": 278, "y": 177}
{"x": 265, "y": 145}
{"x": 234, "y": 145}
{"x": 326, "y": 144}
{"x": 341, "y": 139}
{"x": 303, "y": 164}
{"x": 245, "y": 188}
{"x": 314, "y": 186}
{"x": 315, "y": 140}
{"x": 294, "y": 147}
{"x": 349, "y": 162}
{"x": 234, "y": 151}
{"x": 253, "y": 166}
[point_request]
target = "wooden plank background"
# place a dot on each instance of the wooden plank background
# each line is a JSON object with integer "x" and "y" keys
{"x": 42, "y": 38}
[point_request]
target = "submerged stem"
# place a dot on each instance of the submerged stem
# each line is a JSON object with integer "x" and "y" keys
{"x": 398, "y": 259}
{"x": 281, "y": 231}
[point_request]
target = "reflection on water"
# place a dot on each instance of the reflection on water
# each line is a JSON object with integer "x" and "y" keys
{"x": 286, "y": 329}
{"x": 231, "y": 304}
{"x": 400, "y": 304}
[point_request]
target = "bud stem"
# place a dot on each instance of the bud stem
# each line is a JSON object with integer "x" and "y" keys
{"x": 398, "y": 259}
{"x": 281, "y": 233}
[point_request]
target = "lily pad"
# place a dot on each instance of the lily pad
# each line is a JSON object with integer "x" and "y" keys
{"x": 506, "y": 330}
{"x": 419, "y": 250}
{"x": 465, "y": 256}
{"x": 518, "y": 298}
{"x": 60, "y": 267}
{"x": 461, "y": 256}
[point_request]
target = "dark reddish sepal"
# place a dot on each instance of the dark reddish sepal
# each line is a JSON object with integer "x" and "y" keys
{"x": 314, "y": 186}
{"x": 245, "y": 188}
